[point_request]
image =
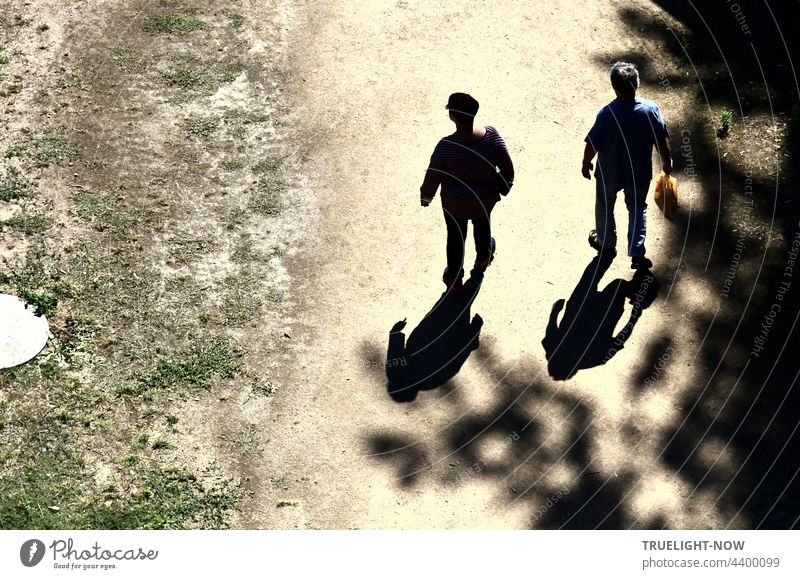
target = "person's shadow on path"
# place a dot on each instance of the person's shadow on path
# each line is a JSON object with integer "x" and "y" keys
{"x": 585, "y": 337}
{"x": 437, "y": 347}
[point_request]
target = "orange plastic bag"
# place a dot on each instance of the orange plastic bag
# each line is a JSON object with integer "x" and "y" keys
{"x": 666, "y": 195}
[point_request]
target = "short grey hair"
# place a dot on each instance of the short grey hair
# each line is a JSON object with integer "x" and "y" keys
{"x": 624, "y": 76}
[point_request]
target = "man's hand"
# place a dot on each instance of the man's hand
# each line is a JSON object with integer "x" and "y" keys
{"x": 587, "y": 169}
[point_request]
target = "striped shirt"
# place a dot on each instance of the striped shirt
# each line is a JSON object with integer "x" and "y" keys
{"x": 466, "y": 172}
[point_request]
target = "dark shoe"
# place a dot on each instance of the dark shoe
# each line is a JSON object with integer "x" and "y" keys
{"x": 640, "y": 262}
{"x": 482, "y": 265}
{"x": 456, "y": 286}
{"x": 595, "y": 243}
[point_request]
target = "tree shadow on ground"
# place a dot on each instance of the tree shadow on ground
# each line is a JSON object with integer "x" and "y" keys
{"x": 735, "y": 438}
{"x": 585, "y": 337}
{"x": 532, "y": 443}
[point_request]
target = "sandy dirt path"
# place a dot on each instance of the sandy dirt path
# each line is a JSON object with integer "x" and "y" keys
{"x": 502, "y": 445}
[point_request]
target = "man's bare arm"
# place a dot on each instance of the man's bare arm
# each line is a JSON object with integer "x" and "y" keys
{"x": 666, "y": 155}
{"x": 588, "y": 154}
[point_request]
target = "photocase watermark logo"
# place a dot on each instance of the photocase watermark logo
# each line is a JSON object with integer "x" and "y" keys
{"x": 32, "y": 552}
{"x": 67, "y": 554}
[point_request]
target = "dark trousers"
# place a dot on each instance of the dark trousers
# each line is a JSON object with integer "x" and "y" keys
{"x": 456, "y": 237}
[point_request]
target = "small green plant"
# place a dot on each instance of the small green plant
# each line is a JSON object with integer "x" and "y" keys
{"x": 43, "y": 303}
{"x": 236, "y": 19}
{"x": 283, "y": 504}
{"x": 43, "y": 28}
{"x": 263, "y": 387}
{"x": 13, "y": 185}
{"x": 12, "y": 89}
{"x": 3, "y": 59}
{"x": 202, "y": 127}
{"x": 126, "y": 58}
{"x": 162, "y": 444}
{"x": 174, "y": 24}
{"x": 231, "y": 70}
{"x": 28, "y": 223}
{"x": 725, "y": 120}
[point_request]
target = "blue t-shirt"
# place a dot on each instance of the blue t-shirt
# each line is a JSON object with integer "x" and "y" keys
{"x": 623, "y": 136}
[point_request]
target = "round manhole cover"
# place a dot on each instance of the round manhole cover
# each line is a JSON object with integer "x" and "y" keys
{"x": 23, "y": 334}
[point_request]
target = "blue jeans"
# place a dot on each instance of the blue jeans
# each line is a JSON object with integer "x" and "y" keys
{"x": 636, "y": 202}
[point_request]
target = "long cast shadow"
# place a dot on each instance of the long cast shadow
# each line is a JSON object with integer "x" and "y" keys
{"x": 585, "y": 337}
{"x": 437, "y": 347}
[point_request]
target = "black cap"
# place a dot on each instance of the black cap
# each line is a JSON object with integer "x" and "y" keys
{"x": 461, "y": 102}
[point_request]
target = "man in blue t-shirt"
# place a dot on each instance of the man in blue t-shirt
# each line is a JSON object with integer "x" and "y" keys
{"x": 623, "y": 136}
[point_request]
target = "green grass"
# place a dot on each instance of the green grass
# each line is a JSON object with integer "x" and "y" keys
{"x": 240, "y": 116}
{"x": 232, "y": 164}
{"x": 174, "y": 24}
{"x": 230, "y": 70}
{"x": 28, "y": 223}
{"x": 244, "y": 251}
{"x": 184, "y": 249}
{"x": 241, "y": 302}
{"x": 44, "y": 303}
{"x": 205, "y": 360}
{"x": 197, "y": 74}
{"x": 237, "y": 20}
{"x": 100, "y": 212}
{"x": 54, "y": 493}
{"x": 51, "y": 150}
{"x": 186, "y": 77}
{"x": 127, "y": 59}
{"x": 142, "y": 441}
{"x": 13, "y": 185}
{"x": 11, "y": 89}
{"x": 265, "y": 196}
{"x": 268, "y": 166}
{"x": 202, "y": 127}
{"x": 162, "y": 444}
